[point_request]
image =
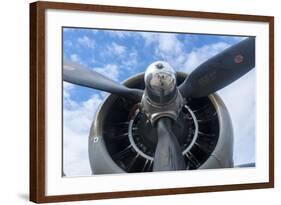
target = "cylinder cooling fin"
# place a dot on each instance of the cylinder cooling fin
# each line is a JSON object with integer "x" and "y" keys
{"x": 130, "y": 138}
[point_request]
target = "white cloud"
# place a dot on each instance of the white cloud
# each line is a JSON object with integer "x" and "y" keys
{"x": 236, "y": 38}
{"x": 86, "y": 42}
{"x": 68, "y": 29}
{"x": 74, "y": 57}
{"x": 116, "y": 49}
{"x": 82, "y": 114}
{"x": 119, "y": 34}
{"x": 111, "y": 71}
{"x": 199, "y": 55}
{"x": 76, "y": 126}
{"x": 68, "y": 43}
{"x": 67, "y": 101}
{"x": 148, "y": 37}
{"x": 127, "y": 58}
{"x": 171, "y": 50}
{"x": 240, "y": 100}
{"x": 131, "y": 60}
{"x": 75, "y": 153}
{"x": 94, "y": 31}
{"x": 168, "y": 43}
{"x": 167, "y": 47}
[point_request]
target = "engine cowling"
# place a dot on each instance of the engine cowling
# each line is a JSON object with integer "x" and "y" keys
{"x": 123, "y": 140}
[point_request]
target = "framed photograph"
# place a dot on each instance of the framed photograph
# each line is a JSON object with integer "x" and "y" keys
{"x": 128, "y": 102}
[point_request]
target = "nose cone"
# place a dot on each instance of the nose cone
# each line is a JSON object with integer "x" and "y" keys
{"x": 160, "y": 81}
{"x": 159, "y": 67}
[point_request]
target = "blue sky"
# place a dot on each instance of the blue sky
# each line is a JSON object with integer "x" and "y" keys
{"x": 120, "y": 54}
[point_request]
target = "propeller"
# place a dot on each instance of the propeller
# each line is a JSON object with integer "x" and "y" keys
{"x": 220, "y": 70}
{"x": 168, "y": 155}
{"x": 79, "y": 75}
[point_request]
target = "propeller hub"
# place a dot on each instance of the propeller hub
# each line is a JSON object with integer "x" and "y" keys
{"x": 161, "y": 96}
{"x": 160, "y": 82}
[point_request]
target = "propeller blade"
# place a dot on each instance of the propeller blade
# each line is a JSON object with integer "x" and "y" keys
{"x": 220, "y": 70}
{"x": 79, "y": 75}
{"x": 168, "y": 155}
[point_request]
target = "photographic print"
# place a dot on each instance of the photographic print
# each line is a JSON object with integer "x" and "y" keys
{"x": 146, "y": 101}
{"x": 124, "y": 97}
